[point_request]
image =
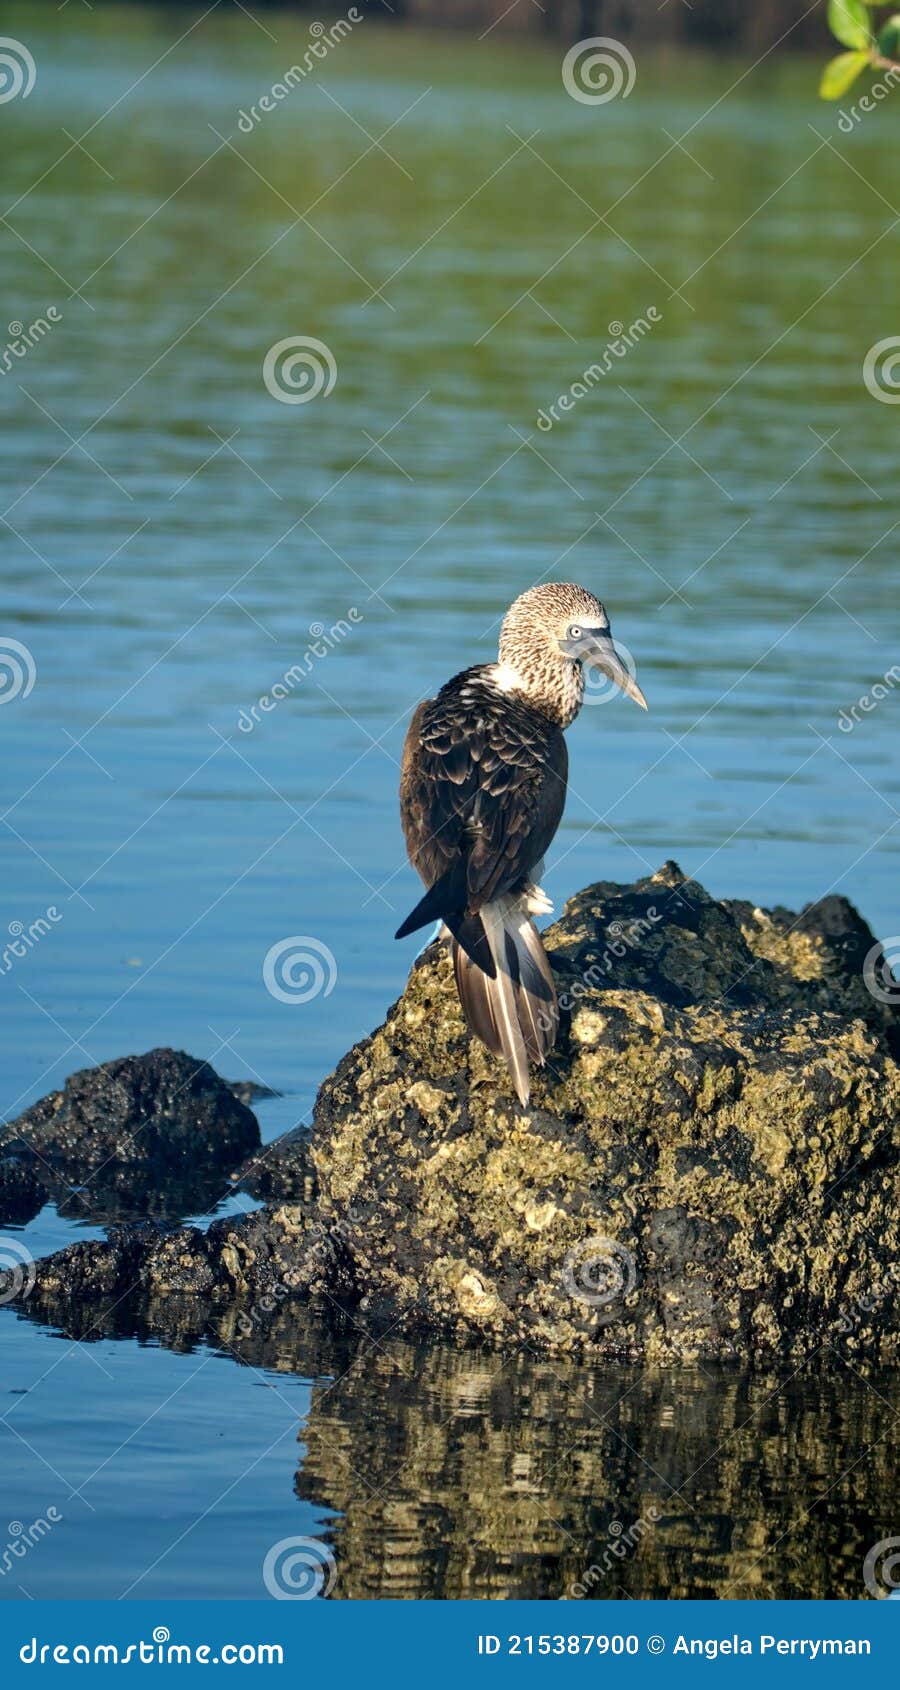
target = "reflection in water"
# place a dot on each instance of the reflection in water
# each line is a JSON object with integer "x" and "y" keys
{"x": 119, "y": 1192}
{"x": 464, "y": 1474}
{"x": 459, "y": 1478}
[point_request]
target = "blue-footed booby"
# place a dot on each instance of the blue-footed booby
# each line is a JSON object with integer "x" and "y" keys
{"x": 482, "y": 790}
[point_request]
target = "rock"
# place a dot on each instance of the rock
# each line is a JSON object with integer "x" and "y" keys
{"x": 708, "y": 1166}
{"x": 143, "y": 1135}
{"x": 250, "y": 1091}
{"x": 708, "y": 1169}
{"x": 258, "y": 1261}
{"x": 163, "y": 1106}
{"x": 825, "y": 947}
{"x": 282, "y": 1169}
{"x": 21, "y": 1192}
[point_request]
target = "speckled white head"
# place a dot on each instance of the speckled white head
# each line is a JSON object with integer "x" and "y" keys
{"x": 546, "y": 637}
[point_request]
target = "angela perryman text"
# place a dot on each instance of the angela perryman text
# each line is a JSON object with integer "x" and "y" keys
{"x": 812, "y": 1648}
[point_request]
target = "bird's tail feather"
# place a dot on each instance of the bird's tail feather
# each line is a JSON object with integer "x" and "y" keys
{"x": 448, "y": 893}
{"x": 514, "y": 1010}
{"x": 446, "y": 901}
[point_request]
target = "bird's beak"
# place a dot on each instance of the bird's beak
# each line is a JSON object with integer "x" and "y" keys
{"x": 597, "y": 647}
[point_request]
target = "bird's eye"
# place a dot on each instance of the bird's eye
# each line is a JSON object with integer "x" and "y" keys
{"x": 574, "y": 632}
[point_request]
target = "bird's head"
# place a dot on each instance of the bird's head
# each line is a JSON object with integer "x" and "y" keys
{"x": 550, "y": 633}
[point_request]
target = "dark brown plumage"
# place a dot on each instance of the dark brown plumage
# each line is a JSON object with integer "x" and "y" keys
{"x": 482, "y": 790}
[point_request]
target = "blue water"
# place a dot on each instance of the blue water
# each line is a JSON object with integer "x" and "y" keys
{"x": 218, "y": 1462}
{"x": 164, "y": 581}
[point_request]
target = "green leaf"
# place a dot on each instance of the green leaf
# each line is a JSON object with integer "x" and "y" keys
{"x": 848, "y": 20}
{"x": 889, "y": 36}
{"x": 840, "y": 74}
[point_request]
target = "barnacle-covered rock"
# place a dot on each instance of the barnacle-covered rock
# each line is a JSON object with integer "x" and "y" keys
{"x": 142, "y": 1135}
{"x": 708, "y": 1167}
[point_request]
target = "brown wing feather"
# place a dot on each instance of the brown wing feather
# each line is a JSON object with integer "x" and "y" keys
{"x": 483, "y": 777}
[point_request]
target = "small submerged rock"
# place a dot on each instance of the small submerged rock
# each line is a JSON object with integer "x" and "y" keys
{"x": 250, "y": 1091}
{"x": 123, "y": 1131}
{"x": 281, "y": 1170}
{"x": 260, "y": 1260}
{"x": 21, "y": 1192}
{"x": 709, "y": 1166}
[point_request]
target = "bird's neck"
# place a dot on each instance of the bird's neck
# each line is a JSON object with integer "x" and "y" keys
{"x": 553, "y": 686}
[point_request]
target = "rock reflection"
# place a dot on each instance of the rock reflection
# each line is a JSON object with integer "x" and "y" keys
{"x": 467, "y": 1474}
{"x": 116, "y": 1195}
{"x": 459, "y": 1477}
